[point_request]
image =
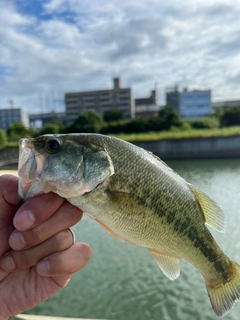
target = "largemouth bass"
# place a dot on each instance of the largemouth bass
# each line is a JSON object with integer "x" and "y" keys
{"x": 136, "y": 197}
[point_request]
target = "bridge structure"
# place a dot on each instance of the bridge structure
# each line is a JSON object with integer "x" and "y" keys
{"x": 45, "y": 118}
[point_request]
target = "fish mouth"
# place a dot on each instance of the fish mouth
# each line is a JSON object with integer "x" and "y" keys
{"x": 31, "y": 165}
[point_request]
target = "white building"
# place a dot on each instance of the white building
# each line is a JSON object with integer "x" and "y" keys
{"x": 195, "y": 104}
{"x": 100, "y": 100}
{"x": 14, "y": 115}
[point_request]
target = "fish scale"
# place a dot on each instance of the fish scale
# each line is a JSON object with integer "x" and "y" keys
{"x": 136, "y": 197}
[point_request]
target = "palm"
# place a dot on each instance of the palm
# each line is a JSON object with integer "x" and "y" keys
{"x": 47, "y": 240}
{"x": 26, "y": 289}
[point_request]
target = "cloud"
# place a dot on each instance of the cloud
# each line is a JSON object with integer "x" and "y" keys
{"x": 67, "y": 45}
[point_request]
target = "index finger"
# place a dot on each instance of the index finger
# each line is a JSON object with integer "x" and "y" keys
{"x": 9, "y": 191}
{"x": 36, "y": 210}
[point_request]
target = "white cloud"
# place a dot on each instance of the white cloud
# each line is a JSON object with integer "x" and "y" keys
{"x": 79, "y": 45}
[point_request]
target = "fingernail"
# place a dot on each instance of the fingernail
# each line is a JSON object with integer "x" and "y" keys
{"x": 16, "y": 241}
{"x": 24, "y": 220}
{"x": 7, "y": 263}
{"x": 43, "y": 267}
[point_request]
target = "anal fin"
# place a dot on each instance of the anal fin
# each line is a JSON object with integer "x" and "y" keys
{"x": 169, "y": 265}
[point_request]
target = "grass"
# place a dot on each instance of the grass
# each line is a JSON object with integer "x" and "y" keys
{"x": 171, "y": 134}
{"x": 183, "y": 134}
{"x": 12, "y": 144}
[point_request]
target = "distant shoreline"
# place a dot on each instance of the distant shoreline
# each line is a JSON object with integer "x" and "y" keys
{"x": 194, "y": 148}
{"x": 9, "y": 157}
{"x": 214, "y": 147}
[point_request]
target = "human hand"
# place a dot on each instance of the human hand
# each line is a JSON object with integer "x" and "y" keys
{"x": 37, "y": 254}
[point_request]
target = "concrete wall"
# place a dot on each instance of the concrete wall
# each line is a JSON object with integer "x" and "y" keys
{"x": 195, "y": 148}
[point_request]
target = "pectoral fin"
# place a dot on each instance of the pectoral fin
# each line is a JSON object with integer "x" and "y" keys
{"x": 110, "y": 231}
{"x": 169, "y": 265}
{"x": 106, "y": 228}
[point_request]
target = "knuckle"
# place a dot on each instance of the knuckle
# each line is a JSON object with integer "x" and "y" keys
{"x": 62, "y": 240}
{"x": 22, "y": 259}
{"x": 35, "y": 236}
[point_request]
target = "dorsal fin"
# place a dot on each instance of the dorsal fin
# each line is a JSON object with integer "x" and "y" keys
{"x": 213, "y": 213}
{"x": 169, "y": 265}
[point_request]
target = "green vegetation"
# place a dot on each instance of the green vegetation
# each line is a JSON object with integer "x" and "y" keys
{"x": 180, "y": 134}
{"x": 3, "y": 139}
{"x": 89, "y": 121}
{"x": 113, "y": 115}
{"x": 18, "y": 131}
{"x": 231, "y": 117}
{"x": 167, "y": 125}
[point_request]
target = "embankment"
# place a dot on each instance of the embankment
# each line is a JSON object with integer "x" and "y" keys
{"x": 9, "y": 156}
{"x": 169, "y": 149}
{"x": 194, "y": 148}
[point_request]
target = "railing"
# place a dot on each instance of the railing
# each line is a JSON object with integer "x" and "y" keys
{"x": 34, "y": 317}
{"x": 8, "y": 162}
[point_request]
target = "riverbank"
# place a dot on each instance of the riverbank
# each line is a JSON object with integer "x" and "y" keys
{"x": 180, "y": 134}
{"x": 195, "y": 148}
{"x": 166, "y": 149}
{"x": 9, "y": 156}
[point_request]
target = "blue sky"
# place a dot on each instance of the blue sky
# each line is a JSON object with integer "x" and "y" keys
{"x": 51, "y": 47}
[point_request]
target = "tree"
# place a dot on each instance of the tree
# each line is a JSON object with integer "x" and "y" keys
{"x": 113, "y": 115}
{"x": 88, "y": 121}
{"x": 169, "y": 118}
{"x": 50, "y": 128}
{"x": 230, "y": 117}
{"x": 17, "y": 131}
{"x": 136, "y": 125}
{"x": 3, "y": 138}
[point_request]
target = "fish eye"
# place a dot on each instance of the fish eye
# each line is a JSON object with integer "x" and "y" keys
{"x": 52, "y": 146}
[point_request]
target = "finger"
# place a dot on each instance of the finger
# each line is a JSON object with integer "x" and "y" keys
{"x": 36, "y": 210}
{"x": 65, "y": 263}
{"x": 9, "y": 189}
{"x": 9, "y": 204}
{"x": 3, "y": 274}
{"x": 16, "y": 260}
{"x": 65, "y": 217}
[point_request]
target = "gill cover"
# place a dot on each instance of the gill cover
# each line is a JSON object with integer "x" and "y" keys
{"x": 65, "y": 171}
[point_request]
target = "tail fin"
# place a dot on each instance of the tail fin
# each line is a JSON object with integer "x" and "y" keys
{"x": 224, "y": 296}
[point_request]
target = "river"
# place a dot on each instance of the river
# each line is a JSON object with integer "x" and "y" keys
{"x": 123, "y": 281}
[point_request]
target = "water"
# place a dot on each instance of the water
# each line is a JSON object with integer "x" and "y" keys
{"x": 124, "y": 282}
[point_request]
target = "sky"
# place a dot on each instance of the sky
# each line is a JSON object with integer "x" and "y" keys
{"x": 50, "y": 47}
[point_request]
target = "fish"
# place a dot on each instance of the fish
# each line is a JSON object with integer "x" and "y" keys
{"x": 137, "y": 198}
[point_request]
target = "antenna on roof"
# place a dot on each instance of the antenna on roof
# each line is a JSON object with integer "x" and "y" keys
{"x": 11, "y": 103}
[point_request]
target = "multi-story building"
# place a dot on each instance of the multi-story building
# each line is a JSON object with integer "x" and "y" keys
{"x": 189, "y": 104}
{"x": 225, "y": 104}
{"x": 195, "y": 103}
{"x": 13, "y": 115}
{"x": 147, "y": 107}
{"x": 172, "y": 98}
{"x": 101, "y": 100}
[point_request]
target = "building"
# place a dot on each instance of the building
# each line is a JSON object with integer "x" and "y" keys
{"x": 225, "y": 104}
{"x": 172, "y": 98}
{"x": 146, "y": 101}
{"x": 13, "y": 115}
{"x": 146, "y": 107}
{"x": 101, "y": 100}
{"x": 195, "y": 104}
{"x": 38, "y": 120}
